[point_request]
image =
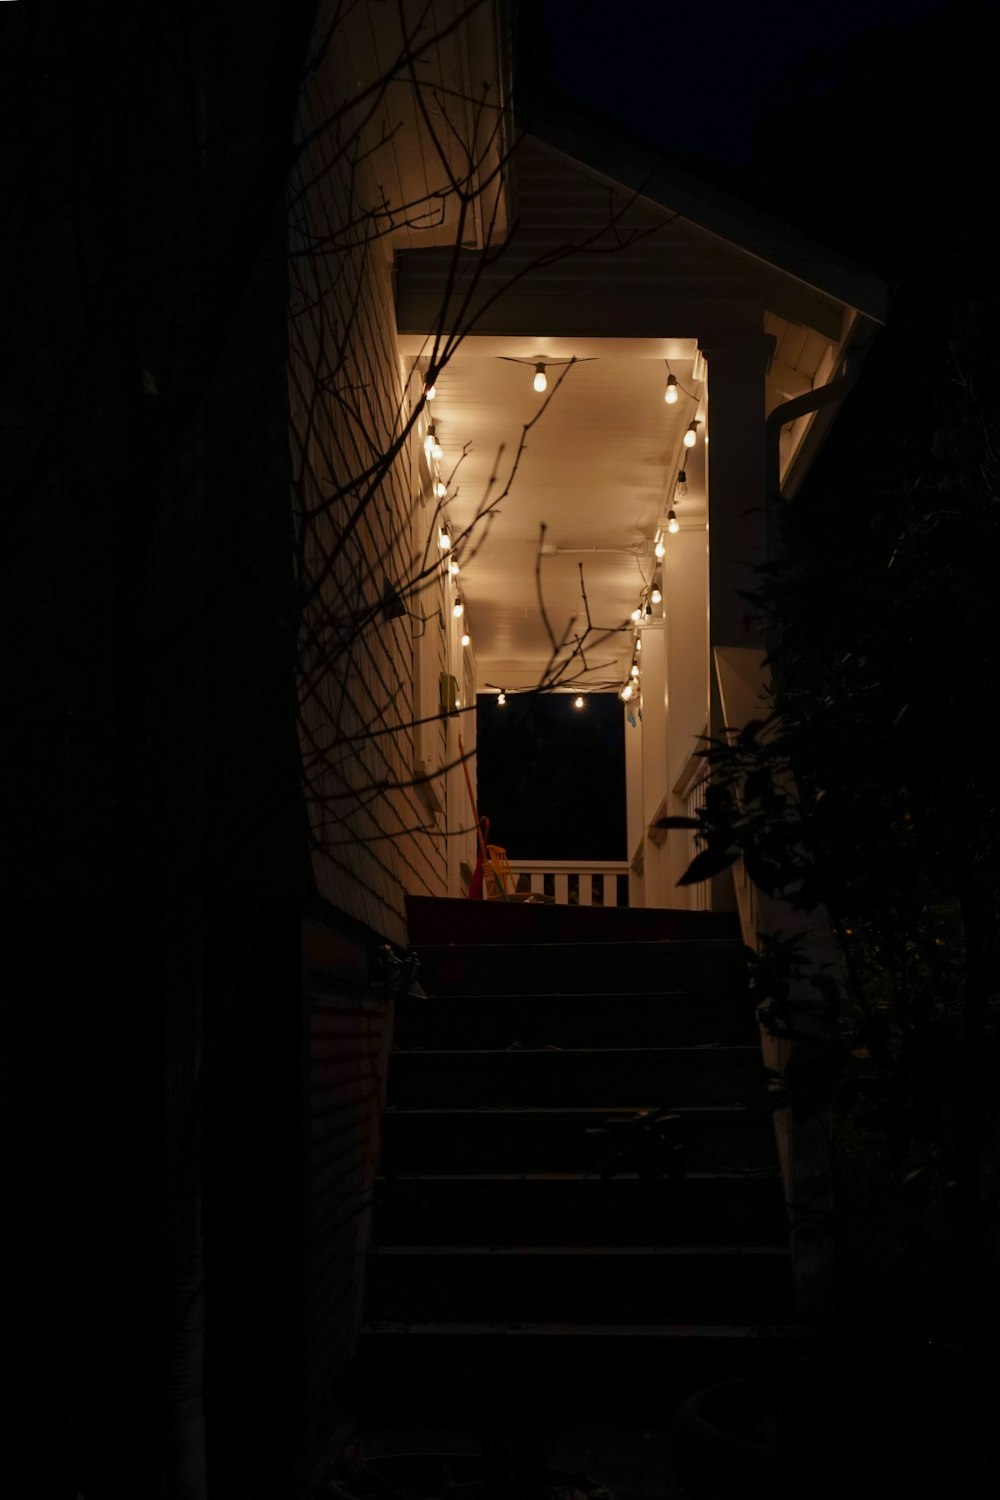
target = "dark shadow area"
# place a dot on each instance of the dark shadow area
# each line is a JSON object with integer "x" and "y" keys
{"x": 552, "y": 776}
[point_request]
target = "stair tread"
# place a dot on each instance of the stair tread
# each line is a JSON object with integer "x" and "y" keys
{"x": 561, "y": 1109}
{"x": 602, "y": 1331}
{"x": 538, "y": 997}
{"x": 745, "y": 1049}
{"x": 632, "y": 945}
{"x": 756, "y": 1174}
{"x": 650, "y": 1252}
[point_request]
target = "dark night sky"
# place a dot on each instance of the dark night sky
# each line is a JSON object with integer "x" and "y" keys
{"x": 551, "y": 778}
{"x": 695, "y": 79}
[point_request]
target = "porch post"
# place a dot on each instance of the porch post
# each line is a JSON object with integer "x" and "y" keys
{"x": 653, "y": 661}
{"x": 737, "y": 509}
{"x": 635, "y": 828}
{"x": 737, "y": 488}
{"x": 685, "y": 580}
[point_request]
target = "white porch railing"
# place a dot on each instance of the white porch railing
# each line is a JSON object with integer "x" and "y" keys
{"x": 573, "y": 882}
{"x": 700, "y": 895}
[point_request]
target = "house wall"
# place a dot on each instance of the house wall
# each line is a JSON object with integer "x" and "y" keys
{"x": 375, "y": 745}
{"x": 364, "y": 513}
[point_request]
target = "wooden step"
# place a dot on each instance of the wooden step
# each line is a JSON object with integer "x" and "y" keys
{"x": 659, "y": 1076}
{"x": 441, "y": 920}
{"x": 650, "y": 1019}
{"x": 548, "y": 1208}
{"x": 712, "y": 1138}
{"x": 569, "y": 968}
{"x": 600, "y": 1372}
{"x": 554, "y": 1283}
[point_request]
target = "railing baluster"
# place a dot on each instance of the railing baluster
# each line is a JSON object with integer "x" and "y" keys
{"x": 589, "y": 883}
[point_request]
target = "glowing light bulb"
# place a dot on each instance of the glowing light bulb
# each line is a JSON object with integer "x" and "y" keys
{"x": 638, "y": 642}
{"x": 659, "y": 550}
{"x": 458, "y": 703}
{"x": 691, "y": 436}
{"x": 444, "y": 538}
{"x": 437, "y": 452}
{"x": 633, "y": 670}
{"x": 440, "y": 489}
{"x": 540, "y": 381}
{"x": 578, "y": 701}
{"x": 429, "y": 441}
{"x": 467, "y": 639}
{"x": 682, "y": 484}
{"x": 656, "y": 595}
{"x": 626, "y": 692}
{"x": 430, "y": 391}
{"x": 453, "y": 567}
{"x": 501, "y": 698}
{"x": 458, "y": 608}
{"x": 636, "y": 616}
{"x": 673, "y": 525}
{"x": 670, "y": 394}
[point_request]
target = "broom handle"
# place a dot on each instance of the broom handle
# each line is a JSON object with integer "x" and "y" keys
{"x": 475, "y": 809}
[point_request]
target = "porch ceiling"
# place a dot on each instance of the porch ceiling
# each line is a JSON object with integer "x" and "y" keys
{"x": 597, "y": 469}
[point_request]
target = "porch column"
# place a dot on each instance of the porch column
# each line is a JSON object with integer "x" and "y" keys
{"x": 653, "y": 661}
{"x": 685, "y": 580}
{"x": 635, "y": 828}
{"x": 737, "y": 510}
{"x": 737, "y": 488}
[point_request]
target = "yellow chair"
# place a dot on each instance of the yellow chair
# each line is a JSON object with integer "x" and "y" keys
{"x": 501, "y": 885}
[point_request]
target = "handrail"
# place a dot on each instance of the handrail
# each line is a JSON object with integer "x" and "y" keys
{"x": 570, "y": 866}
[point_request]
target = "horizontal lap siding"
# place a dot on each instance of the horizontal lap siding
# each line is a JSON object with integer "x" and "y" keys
{"x": 372, "y": 834}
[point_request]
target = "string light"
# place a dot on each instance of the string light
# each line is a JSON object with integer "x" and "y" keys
{"x": 444, "y": 538}
{"x": 659, "y": 549}
{"x": 670, "y": 394}
{"x": 656, "y": 595}
{"x": 673, "y": 525}
{"x": 578, "y": 701}
{"x": 437, "y": 452}
{"x": 440, "y": 489}
{"x": 540, "y": 381}
{"x": 638, "y": 642}
{"x": 430, "y": 390}
{"x": 429, "y": 440}
{"x": 633, "y": 670}
{"x": 453, "y": 567}
{"x": 626, "y": 692}
{"x": 501, "y": 698}
{"x": 466, "y": 639}
{"x": 682, "y": 484}
{"x": 636, "y": 616}
{"x": 458, "y": 608}
{"x": 691, "y": 436}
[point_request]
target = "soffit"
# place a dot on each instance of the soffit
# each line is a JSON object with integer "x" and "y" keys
{"x": 596, "y": 469}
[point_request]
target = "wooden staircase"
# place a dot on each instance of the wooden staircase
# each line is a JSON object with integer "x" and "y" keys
{"x": 508, "y": 1249}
